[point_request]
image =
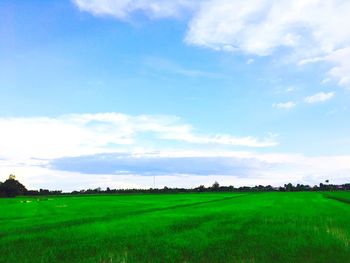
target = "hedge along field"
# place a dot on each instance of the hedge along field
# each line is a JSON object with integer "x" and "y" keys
{"x": 205, "y": 227}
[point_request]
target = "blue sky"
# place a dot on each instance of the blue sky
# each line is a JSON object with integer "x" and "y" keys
{"x": 158, "y": 84}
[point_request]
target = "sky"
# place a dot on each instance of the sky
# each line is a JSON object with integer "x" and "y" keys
{"x": 112, "y": 93}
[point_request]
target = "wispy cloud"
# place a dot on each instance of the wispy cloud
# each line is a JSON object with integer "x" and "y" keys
{"x": 123, "y": 9}
{"x": 167, "y": 66}
{"x": 285, "y": 105}
{"x": 250, "y": 61}
{"x": 340, "y": 59}
{"x": 319, "y": 97}
{"x": 340, "y": 65}
{"x": 290, "y": 89}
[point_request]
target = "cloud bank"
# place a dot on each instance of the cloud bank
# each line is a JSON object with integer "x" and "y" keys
{"x": 159, "y": 164}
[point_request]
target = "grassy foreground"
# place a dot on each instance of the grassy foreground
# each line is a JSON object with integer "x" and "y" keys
{"x": 206, "y": 227}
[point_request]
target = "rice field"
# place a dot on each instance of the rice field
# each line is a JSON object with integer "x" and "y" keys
{"x": 203, "y": 227}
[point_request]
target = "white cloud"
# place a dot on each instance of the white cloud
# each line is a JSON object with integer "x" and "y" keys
{"x": 319, "y": 97}
{"x": 224, "y": 139}
{"x": 250, "y": 61}
{"x": 285, "y": 105}
{"x": 254, "y": 27}
{"x": 263, "y": 27}
{"x": 290, "y": 89}
{"x": 122, "y": 9}
{"x": 340, "y": 59}
{"x": 29, "y": 145}
{"x": 76, "y": 134}
{"x": 340, "y": 65}
{"x": 260, "y": 27}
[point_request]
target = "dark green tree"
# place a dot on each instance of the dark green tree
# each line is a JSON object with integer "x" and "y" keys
{"x": 215, "y": 186}
{"x": 289, "y": 187}
{"x": 11, "y": 187}
{"x": 201, "y": 188}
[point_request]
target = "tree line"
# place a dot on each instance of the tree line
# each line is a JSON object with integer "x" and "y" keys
{"x": 12, "y": 188}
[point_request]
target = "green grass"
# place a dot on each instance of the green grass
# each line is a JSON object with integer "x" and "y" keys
{"x": 206, "y": 227}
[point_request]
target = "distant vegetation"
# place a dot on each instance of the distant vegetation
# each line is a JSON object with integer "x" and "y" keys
{"x": 11, "y": 188}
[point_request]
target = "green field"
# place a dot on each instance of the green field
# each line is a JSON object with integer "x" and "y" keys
{"x": 206, "y": 227}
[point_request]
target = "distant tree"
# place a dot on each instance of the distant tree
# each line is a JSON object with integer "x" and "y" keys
{"x": 11, "y": 187}
{"x": 215, "y": 186}
{"x": 289, "y": 187}
{"x": 201, "y": 188}
{"x": 322, "y": 187}
{"x": 32, "y": 192}
{"x": 44, "y": 192}
{"x": 268, "y": 188}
